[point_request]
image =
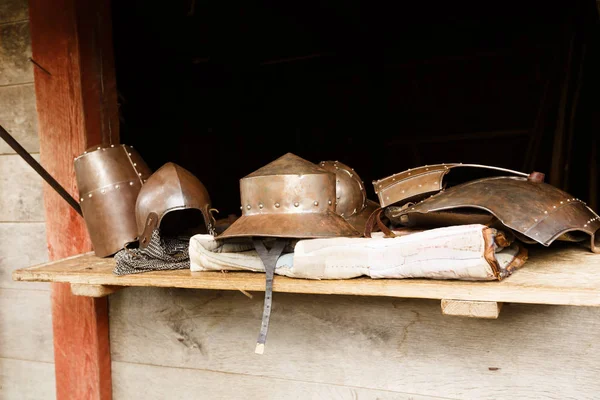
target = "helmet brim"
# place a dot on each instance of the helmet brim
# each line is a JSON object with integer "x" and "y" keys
{"x": 300, "y": 226}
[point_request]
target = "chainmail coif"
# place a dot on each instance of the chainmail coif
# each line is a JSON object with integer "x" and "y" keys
{"x": 161, "y": 254}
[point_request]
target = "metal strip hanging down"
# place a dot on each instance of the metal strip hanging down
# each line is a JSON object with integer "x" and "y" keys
{"x": 269, "y": 259}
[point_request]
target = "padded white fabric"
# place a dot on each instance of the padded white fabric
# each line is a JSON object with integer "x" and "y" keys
{"x": 455, "y": 252}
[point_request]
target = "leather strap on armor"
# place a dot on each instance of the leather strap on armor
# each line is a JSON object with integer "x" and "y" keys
{"x": 375, "y": 218}
{"x": 269, "y": 259}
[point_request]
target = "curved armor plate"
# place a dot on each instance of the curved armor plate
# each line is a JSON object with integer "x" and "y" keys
{"x": 170, "y": 188}
{"x": 537, "y": 210}
{"x": 109, "y": 179}
{"x": 420, "y": 181}
{"x": 289, "y": 197}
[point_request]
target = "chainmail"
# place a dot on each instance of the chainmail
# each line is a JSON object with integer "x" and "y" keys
{"x": 161, "y": 254}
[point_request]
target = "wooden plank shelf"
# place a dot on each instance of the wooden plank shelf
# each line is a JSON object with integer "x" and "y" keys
{"x": 561, "y": 275}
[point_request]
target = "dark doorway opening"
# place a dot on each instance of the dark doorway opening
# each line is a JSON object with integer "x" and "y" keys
{"x": 224, "y": 88}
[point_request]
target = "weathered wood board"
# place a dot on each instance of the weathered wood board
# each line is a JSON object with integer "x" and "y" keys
{"x": 376, "y": 343}
{"x": 21, "y": 189}
{"x": 21, "y": 244}
{"x": 15, "y": 50}
{"x": 93, "y": 290}
{"x": 562, "y": 275}
{"x": 26, "y": 380}
{"x": 158, "y": 383}
{"x": 19, "y": 118}
{"x": 25, "y": 325}
{"x": 76, "y": 101}
{"x": 472, "y": 309}
{"x": 82, "y": 326}
{"x": 13, "y": 10}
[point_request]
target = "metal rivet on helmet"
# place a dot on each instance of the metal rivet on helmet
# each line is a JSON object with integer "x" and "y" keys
{"x": 286, "y": 183}
{"x": 110, "y": 218}
{"x": 171, "y": 189}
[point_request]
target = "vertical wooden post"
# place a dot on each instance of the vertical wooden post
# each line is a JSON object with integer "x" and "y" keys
{"x": 77, "y": 109}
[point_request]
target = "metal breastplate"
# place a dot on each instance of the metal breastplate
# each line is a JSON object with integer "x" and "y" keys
{"x": 537, "y": 210}
{"x": 420, "y": 181}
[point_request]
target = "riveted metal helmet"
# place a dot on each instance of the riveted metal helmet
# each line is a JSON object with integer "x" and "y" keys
{"x": 109, "y": 179}
{"x": 530, "y": 207}
{"x": 351, "y": 196}
{"x": 289, "y": 197}
{"x": 173, "y": 188}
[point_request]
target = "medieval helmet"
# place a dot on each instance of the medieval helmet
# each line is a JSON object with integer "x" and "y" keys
{"x": 289, "y": 197}
{"x": 109, "y": 179}
{"x": 351, "y": 196}
{"x": 173, "y": 188}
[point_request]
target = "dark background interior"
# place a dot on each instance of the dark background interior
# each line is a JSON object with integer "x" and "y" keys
{"x": 223, "y": 88}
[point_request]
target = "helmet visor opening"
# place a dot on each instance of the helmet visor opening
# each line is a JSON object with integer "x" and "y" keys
{"x": 183, "y": 222}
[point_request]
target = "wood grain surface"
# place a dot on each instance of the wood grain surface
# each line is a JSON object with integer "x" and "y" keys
{"x": 15, "y": 50}
{"x": 70, "y": 45}
{"x": 471, "y": 309}
{"x": 561, "y": 275}
{"x": 79, "y": 289}
{"x": 21, "y": 244}
{"x": 158, "y": 383}
{"x": 13, "y": 11}
{"x": 81, "y": 345}
{"x": 377, "y": 343}
{"x": 21, "y": 189}
{"x": 60, "y": 118}
{"x": 18, "y": 116}
{"x": 25, "y": 325}
{"x": 26, "y": 380}
{"x": 26, "y": 357}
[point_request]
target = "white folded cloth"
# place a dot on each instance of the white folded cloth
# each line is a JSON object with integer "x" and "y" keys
{"x": 466, "y": 252}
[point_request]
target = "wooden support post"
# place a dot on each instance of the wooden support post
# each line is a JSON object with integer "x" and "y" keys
{"x": 76, "y": 104}
{"x": 81, "y": 346}
{"x": 472, "y": 309}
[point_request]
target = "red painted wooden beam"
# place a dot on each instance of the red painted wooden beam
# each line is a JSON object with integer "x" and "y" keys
{"x": 77, "y": 108}
{"x": 81, "y": 345}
